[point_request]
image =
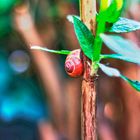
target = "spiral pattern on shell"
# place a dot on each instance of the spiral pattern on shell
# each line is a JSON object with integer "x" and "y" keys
{"x": 74, "y": 64}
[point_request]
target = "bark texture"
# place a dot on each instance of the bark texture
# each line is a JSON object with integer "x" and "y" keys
{"x": 88, "y": 101}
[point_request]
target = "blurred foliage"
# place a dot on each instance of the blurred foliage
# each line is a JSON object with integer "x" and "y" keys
{"x": 7, "y": 5}
{"x": 21, "y": 96}
{"x": 5, "y": 25}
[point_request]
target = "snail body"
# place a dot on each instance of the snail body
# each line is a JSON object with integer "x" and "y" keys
{"x": 73, "y": 64}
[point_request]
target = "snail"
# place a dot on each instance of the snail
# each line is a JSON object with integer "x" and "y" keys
{"x": 73, "y": 64}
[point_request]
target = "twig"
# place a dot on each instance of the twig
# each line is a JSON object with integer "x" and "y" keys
{"x": 88, "y": 101}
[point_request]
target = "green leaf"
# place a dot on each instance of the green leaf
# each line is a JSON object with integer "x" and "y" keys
{"x": 124, "y": 25}
{"x": 112, "y": 72}
{"x": 6, "y": 5}
{"x": 120, "y": 4}
{"x": 70, "y": 18}
{"x": 113, "y": 4}
{"x": 110, "y": 10}
{"x": 135, "y": 84}
{"x": 126, "y": 49}
{"x": 65, "y": 52}
{"x": 120, "y": 57}
{"x": 104, "y": 5}
{"x": 84, "y": 36}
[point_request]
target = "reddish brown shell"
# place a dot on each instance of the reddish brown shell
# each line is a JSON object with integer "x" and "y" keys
{"x": 73, "y": 64}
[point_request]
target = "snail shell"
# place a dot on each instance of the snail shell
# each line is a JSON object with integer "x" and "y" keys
{"x": 73, "y": 64}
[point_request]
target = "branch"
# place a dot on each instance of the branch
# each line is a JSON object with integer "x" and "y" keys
{"x": 88, "y": 101}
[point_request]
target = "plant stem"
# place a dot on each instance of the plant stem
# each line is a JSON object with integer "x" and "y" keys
{"x": 88, "y": 99}
{"x": 98, "y": 41}
{"x": 97, "y": 47}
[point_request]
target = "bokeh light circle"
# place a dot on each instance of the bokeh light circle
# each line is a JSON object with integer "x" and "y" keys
{"x": 19, "y": 61}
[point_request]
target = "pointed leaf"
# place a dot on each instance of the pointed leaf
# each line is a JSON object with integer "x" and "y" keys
{"x": 65, "y": 52}
{"x": 135, "y": 84}
{"x": 125, "y": 48}
{"x": 112, "y": 72}
{"x": 84, "y": 36}
{"x": 120, "y": 57}
{"x": 124, "y": 25}
{"x": 104, "y": 4}
{"x": 70, "y": 18}
{"x": 110, "y": 10}
{"x": 120, "y": 4}
{"x": 112, "y": 4}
